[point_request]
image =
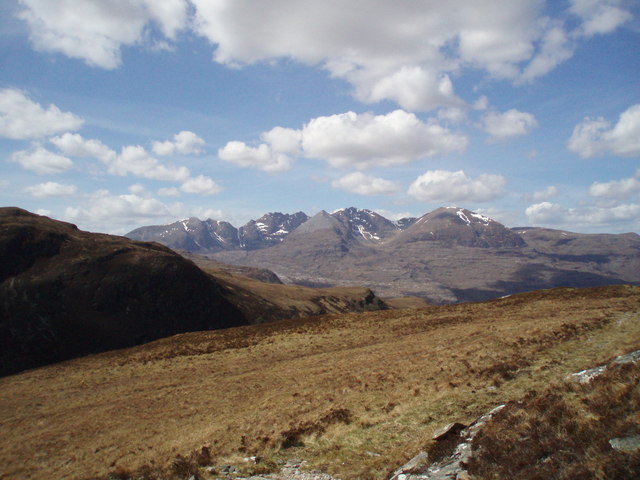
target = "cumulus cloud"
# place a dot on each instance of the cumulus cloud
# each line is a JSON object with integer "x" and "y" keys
{"x": 362, "y": 184}
{"x": 616, "y": 189}
{"x": 135, "y": 160}
{"x": 555, "y": 47}
{"x": 546, "y": 194}
{"x": 590, "y": 217}
{"x": 103, "y": 208}
{"x": 284, "y": 140}
{"x": 95, "y": 31}
{"x": 367, "y": 140}
{"x": 200, "y": 185}
{"x": 22, "y": 118}
{"x": 512, "y": 123}
{"x": 600, "y": 16}
{"x": 545, "y": 213}
{"x": 349, "y": 140}
{"x": 169, "y": 192}
{"x": 594, "y": 137}
{"x": 407, "y": 55}
{"x": 75, "y": 145}
{"x": 262, "y": 157}
{"x": 51, "y": 189}
{"x": 42, "y": 161}
{"x": 413, "y": 88}
{"x": 184, "y": 142}
{"x": 441, "y": 186}
{"x": 388, "y": 53}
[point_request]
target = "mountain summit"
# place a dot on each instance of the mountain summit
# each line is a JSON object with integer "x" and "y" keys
{"x": 453, "y": 226}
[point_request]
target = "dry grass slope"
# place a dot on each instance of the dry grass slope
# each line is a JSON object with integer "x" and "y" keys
{"x": 564, "y": 432}
{"x": 354, "y": 394}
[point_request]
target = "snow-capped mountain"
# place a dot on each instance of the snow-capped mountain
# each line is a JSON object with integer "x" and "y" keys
{"x": 269, "y": 229}
{"x": 450, "y": 226}
{"x": 366, "y": 225}
{"x": 208, "y": 236}
{"x": 448, "y": 255}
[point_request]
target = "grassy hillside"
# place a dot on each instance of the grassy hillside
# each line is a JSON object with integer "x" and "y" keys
{"x": 355, "y": 394}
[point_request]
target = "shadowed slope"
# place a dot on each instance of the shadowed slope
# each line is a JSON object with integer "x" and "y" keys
{"x": 67, "y": 293}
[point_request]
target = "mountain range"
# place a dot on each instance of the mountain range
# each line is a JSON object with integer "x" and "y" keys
{"x": 448, "y": 255}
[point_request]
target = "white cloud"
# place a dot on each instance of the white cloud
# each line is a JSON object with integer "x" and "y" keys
{"x": 51, "y": 189}
{"x": 184, "y": 142}
{"x": 512, "y": 123}
{"x": 441, "y": 186}
{"x": 413, "y": 88}
{"x": 283, "y": 140}
{"x": 94, "y": 30}
{"x": 545, "y": 194}
{"x": 137, "y": 189}
{"x": 262, "y": 157}
{"x": 21, "y": 118}
{"x": 74, "y": 145}
{"x": 103, "y": 208}
{"x": 616, "y": 189}
{"x": 452, "y": 115}
{"x": 387, "y": 53}
{"x": 590, "y": 218}
{"x": 555, "y": 47}
{"x": 200, "y": 185}
{"x": 545, "y": 213}
{"x": 42, "y": 161}
{"x": 362, "y": 184}
{"x": 135, "y": 160}
{"x": 407, "y": 55}
{"x": 367, "y": 140}
{"x": 481, "y": 103}
{"x": 349, "y": 140}
{"x": 600, "y": 16}
{"x": 594, "y": 137}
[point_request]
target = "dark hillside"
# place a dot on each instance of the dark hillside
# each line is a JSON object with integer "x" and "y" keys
{"x": 67, "y": 293}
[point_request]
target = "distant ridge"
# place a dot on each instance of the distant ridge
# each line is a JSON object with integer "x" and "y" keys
{"x": 448, "y": 255}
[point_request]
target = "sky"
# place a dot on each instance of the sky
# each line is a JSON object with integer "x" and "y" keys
{"x": 119, "y": 114}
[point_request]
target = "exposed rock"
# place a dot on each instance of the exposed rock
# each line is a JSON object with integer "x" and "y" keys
{"x": 626, "y": 444}
{"x": 452, "y": 466}
{"x": 415, "y": 464}
{"x": 450, "y": 429}
{"x": 585, "y": 376}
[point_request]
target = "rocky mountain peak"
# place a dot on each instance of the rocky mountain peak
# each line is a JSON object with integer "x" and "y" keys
{"x": 268, "y": 230}
{"x": 452, "y": 226}
{"x": 366, "y": 225}
{"x": 320, "y": 221}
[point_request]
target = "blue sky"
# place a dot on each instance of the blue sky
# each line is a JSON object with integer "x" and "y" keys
{"x": 119, "y": 114}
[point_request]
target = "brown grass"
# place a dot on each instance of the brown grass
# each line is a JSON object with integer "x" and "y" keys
{"x": 563, "y": 432}
{"x": 356, "y": 395}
